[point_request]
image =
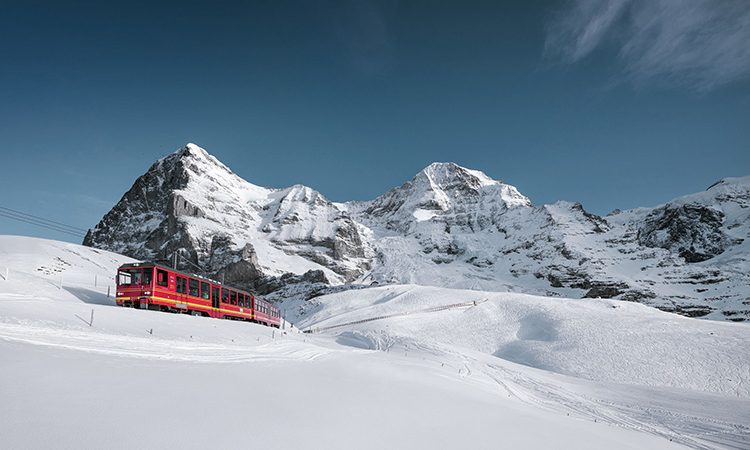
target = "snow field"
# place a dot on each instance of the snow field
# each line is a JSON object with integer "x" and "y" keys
{"x": 515, "y": 371}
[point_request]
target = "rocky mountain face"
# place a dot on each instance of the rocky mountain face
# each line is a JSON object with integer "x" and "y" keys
{"x": 190, "y": 205}
{"x": 448, "y": 226}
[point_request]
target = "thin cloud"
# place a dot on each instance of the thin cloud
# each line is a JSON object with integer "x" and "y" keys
{"x": 702, "y": 44}
{"x": 367, "y": 35}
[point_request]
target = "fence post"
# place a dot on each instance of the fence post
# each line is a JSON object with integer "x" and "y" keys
{"x": 95, "y": 280}
{"x": 61, "y": 280}
{"x": 107, "y": 291}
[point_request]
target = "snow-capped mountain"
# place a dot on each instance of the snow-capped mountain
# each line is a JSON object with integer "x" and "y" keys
{"x": 220, "y": 222}
{"x": 448, "y": 226}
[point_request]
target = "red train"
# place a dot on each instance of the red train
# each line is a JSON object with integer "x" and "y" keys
{"x": 157, "y": 287}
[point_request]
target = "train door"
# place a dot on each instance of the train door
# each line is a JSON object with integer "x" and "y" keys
{"x": 181, "y": 288}
{"x": 215, "y": 297}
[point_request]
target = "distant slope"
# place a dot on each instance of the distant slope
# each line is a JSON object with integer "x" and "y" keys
{"x": 602, "y": 340}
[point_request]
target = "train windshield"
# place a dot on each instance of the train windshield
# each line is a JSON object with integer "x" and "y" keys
{"x": 134, "y": 277}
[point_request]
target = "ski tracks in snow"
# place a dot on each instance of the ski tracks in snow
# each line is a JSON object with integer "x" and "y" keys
{"x": 161, "y": 349}
{"x": 684, "y": 428}
{"x": 617, "y": 405}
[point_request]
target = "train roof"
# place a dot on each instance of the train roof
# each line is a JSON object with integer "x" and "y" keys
{"x": 167, "y": 267}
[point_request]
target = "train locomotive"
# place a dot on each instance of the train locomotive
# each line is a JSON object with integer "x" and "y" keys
{"x": 157, "y": 287}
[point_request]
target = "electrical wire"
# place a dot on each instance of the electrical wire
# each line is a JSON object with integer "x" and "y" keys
{"x": 40, "y": 223}
{"x": 42, "y": 219}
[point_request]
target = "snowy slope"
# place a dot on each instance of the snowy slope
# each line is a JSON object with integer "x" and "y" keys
{"x": 448, "y": 226}
{"x": 46, "y": 269}
{"x": 143, "y": 379}
{"x": 601, "y": 340}
{"x": 618, "y": 362}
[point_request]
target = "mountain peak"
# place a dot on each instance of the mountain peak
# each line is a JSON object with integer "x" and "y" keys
{"x": 444, "y": 177}
{"x": 444, "y": 174}
{"x": 195, "y": 149}
{"x": 195, "y": 159}
{"x": 191, "y": 150}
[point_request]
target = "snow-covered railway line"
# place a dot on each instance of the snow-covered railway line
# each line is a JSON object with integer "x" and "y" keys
{"x": 160, "y": 348}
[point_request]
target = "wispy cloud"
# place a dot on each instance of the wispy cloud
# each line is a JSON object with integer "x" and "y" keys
{"x": 702, "y": 44}
{"x": 366, "y": 33}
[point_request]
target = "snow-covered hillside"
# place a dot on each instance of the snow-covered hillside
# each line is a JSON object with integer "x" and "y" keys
{"x": 449, "y": 226}
{"x": 513, "y": 371}
{"x": 34, "y": 269}
{"x": 631, "y": 343}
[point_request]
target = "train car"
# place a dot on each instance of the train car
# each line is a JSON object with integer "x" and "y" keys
{"x": 266, "y": 313}
{"x": 158, "y": 287}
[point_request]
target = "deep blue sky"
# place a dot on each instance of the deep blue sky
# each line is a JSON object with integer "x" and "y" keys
{"x": 350, "y": 98}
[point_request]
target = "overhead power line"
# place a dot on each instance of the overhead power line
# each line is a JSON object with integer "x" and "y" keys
{"x": 42, "y": 219}
{"x": 31, "y": 219}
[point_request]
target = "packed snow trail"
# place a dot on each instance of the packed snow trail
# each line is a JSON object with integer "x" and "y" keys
{"x": 390, "y": 316}
{"x": 277, "y": 349}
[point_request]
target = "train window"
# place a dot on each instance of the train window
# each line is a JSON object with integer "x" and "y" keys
{"x": 193, "y": 285}
{"x": 224, "y": 295}
{"x": 215, "y": 294}
{"x": 205, "y": 290}
{"x": 124, "y": 277}
{"x": 147, "y": 276}
{"x": 232, "y": 297}
{"x": 162, "y": 279}
{"x": 241, "y": 300}
{"x": 181, "y": 285}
